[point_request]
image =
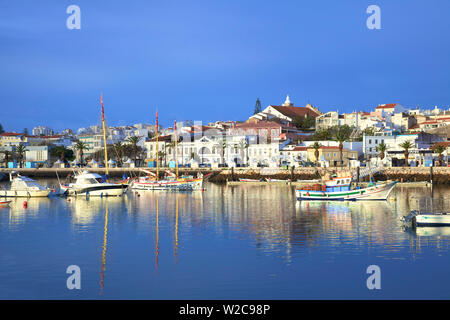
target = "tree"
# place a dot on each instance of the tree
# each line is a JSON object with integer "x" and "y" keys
{"x": 171, "y": 146}
{"x": 257, "y": 106}
{"x": 6, "y": 156}
{"x": 118, "y": 151}
{"x": 20, "y": 151}
{"x": 321, "y": 135}
{"x": 1, "y": 129}
{"x": 25, "y": 131}
{"x": 222, "y": 146}
{"x": 439, "y": 149}
{"x": 316, "y": 147}
{"x": 134, "y": 140}
{"x": 341, "y": 135}
{"x": 369, "y": 131}
{"x": 80, "y": 147}
{"x": 381, "y": 148}
{"x": 62, "y": 153}
{"x": 161, "y": 155}
{"x": 243, "y": 147}
{"x": 406, "y": 146}
{"x": 304, "y": 122}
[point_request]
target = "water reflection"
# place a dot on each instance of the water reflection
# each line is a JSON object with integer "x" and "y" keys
{"x": 105, "y": 240}
{"x": 179, "y": 237}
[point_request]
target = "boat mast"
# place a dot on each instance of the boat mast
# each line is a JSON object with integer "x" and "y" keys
{"x": 176, "y": 148}
{"x": 104, "y": 137}
{"x": 157, "y": 150}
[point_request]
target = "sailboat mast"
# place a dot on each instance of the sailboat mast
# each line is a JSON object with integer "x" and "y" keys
{"x": 157, "y": 149}
{"x": 176, "y": 148}
{"x": 104, "y": 136}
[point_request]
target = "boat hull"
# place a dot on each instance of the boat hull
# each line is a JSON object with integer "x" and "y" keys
{"x": 24, "y": 194}
{"x": 194, "y": 184}
{"x": 100, "y": 190}
{"x": 431, "y": 220}
{"x": 377, "y": 192}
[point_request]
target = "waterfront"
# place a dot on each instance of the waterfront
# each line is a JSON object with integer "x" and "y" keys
{"x": 228, "y": 242}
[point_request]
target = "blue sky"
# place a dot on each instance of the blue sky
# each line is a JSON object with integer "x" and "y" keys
{"x": 210, "y": 60}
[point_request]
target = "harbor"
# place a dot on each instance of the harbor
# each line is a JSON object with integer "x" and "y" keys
{"x": 439, "y": 175}
{"x": 172, "y": 244}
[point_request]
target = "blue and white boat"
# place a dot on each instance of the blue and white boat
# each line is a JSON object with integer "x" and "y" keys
{"x": 340, "y": 188}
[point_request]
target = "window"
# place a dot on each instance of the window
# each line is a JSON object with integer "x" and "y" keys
{"x": 370, "y": 141}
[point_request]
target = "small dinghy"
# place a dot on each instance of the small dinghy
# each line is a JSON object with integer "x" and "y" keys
{"x": 4, "y": 203}
{"x": 427, "y": 219}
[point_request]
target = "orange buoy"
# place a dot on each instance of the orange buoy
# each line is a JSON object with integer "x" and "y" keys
{"x": 25, "y": 204}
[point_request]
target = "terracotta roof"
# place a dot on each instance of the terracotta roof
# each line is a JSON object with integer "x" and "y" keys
{"x": 161, "y": 138}
{"x": 445, "y": 144}
{"x": 259, "y": 124}
{"x": 329, "y": 147}
{"x": 386, "y": 106}
{"x": 293, "y": 112}
{"x": 300, "y": 149}
{"x": 11, "y": 134}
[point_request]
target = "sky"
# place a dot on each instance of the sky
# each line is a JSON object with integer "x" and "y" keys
{"x": 210, "y": 60}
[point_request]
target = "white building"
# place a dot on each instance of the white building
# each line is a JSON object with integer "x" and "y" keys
{"x": 42, "y": 130}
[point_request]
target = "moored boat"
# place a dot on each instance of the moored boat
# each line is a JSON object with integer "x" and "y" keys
{"x": 170, "y": 182}
{"x": 250, "y": 180}
{"x": 427, "y": 219}
{"x": 339, "y": 187}
{"x": 22, "y": 186}
{"x": 92, "y": 184}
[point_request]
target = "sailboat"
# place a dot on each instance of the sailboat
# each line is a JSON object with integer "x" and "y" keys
{"x": 88, "y": 183}
{"x": 172, "y": 181}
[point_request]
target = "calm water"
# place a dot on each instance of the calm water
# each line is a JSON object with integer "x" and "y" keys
{"x": 241, "y": 242}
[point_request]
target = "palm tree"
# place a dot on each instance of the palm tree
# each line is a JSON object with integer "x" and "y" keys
{"x": 118, "y": 150}
{"x": 439, "y": 149}
{"x": 340, "y": 137}
{"x": 134, "y": 140}
{"x": 20, "y": 150}
{"x": 6, "y": 155}
{"x": 171, "y": 146}
{"x": 406, "y": 146}
{"x": 60, "y": 151}
{"x": 160, "y": 155}
{"x": 381, "y": 148}
{"x": 80, "y": 147}
{"x": 316, "y": 146}
{"x": 222, "y": 145}
{"x": 243, "y": 147}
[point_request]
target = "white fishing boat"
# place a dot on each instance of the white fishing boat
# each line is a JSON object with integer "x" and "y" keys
{"x": 427, "y": 219}
{"x": 170, "y": 182}
{"x": 92, "y": 184}
{"x": 339, "y": 187}
{"x": 250, "y": 180}
{"x": 22, "y": 186}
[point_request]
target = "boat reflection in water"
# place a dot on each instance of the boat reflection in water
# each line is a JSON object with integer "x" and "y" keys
{"x": 105, "y": 240}
{"x": 84, "y": 212}
{"x": 21, "y": 210}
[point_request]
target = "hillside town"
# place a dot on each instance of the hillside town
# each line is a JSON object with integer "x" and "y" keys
{"x": 281, "y": 135}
